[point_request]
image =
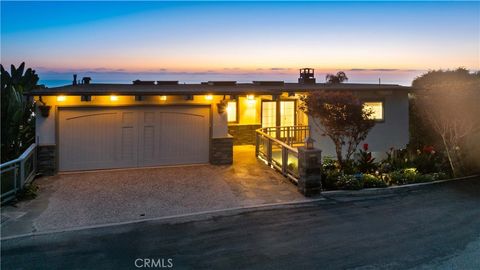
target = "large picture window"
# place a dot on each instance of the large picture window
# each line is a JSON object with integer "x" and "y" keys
{"x": 377, "y": 108}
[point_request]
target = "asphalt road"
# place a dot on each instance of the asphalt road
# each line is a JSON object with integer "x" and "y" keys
{"x": 432, "y": 228}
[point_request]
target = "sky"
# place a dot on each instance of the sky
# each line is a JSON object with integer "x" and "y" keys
{"x": 195, "y": 41}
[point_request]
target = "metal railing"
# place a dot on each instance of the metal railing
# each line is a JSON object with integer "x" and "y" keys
{"x": 16, "y": 173}
{"x": 276, "y": 146}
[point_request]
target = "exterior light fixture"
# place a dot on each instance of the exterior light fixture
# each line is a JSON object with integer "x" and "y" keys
{"x": 113, "y": 98}
{"x": 163, "y": 98}
{"x": 309, "y": 142}
{"x": 250, "y": 97}
{"x": 250, "y": 100}
{"x": 209, "y": 97}
{"x": 61, "y": 98}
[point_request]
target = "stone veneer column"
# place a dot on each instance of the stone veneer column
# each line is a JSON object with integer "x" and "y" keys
{"x": 309, "y": 170}
{"x": 221, "y": 151}
{"x": 46, "y": 159}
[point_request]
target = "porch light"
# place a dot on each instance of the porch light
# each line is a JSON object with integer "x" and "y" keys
{"x": 309, "y": 142}
{"x": 250, "y": 100}
{"x": 163, "y": 98}
{"x": 209, "y": 97}
{"x": 113, "y": 98}
{"x": 251, "y": 97}
{"x": 61, "y": 98}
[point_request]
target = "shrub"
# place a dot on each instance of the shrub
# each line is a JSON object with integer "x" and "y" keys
{"x": 350, "y": 182}
{"x": 402, "y": 177}
{"x": 330, "y": 179}
{"x": 372, "y": 181}
{"x": 365, "y": 163}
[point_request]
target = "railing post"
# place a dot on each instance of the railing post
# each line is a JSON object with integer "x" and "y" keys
{"x": 22, "y": 172}
{"x": 269, "y": 152}
{"x": 257, "y": 143}
{"x": 284, "y": 160}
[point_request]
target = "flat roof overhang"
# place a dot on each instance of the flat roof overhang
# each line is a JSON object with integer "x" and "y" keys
{"x": 202, "y": 89}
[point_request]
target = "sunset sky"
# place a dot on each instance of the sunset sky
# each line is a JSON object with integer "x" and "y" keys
{"x": 395, "y": 41}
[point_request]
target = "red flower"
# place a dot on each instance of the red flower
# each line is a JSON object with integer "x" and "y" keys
{"x": 365, "y": 147}
{"x": 428, "y": 149}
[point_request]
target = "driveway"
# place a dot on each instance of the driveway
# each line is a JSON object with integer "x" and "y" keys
{"x": 91, "y": 198}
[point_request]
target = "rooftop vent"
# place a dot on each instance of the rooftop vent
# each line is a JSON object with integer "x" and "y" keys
{"x": 307, "y": 76}
{"x": 269, "y": 83}
{"x": 139, "y": 82}
{"x": 222, "y": 83}
{"x": 167, "y": 82}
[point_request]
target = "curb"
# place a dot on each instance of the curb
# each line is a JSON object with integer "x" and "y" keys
{"x": 181, "y": 218}
{"x": 390, "y": 190}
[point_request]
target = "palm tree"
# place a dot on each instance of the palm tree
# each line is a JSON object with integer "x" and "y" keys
{"x": 338, "y": 78}
{"x": 18, "y": 122}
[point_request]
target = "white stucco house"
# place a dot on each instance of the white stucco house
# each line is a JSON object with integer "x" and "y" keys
{"x": 90, "y": 126}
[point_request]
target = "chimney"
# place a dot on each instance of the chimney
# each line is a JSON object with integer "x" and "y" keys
{"x": 307, "y": 76}
{"x": 86, "y": 80}
{"x": 74, "y": 79}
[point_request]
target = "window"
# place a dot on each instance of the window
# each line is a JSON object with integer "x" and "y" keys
{"x": 232, "y": 111}
{"x": 269, "y": 114}
{"x": 377, "y": 108}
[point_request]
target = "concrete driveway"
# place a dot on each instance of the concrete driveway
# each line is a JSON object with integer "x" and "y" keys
{"x": 92, "y": 198}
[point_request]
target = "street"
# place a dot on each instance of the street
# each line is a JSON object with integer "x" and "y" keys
{"x": 435, "y": 227}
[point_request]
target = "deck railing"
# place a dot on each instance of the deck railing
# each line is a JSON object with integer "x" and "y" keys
{"x": 277, "y": 147}
{"x": 16, "y": 173}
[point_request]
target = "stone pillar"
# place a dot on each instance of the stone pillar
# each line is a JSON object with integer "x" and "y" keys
{"x": 309, "y": 170}
{"x": 221, "y": 151}
{"x": 46, "y": 159}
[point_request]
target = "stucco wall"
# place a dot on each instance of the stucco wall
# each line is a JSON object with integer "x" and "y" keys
{"x": 46, "y": 129}
{"x": 392, "y": 132}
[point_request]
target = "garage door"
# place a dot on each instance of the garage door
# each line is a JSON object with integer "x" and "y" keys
{"x": 102, "y": 138}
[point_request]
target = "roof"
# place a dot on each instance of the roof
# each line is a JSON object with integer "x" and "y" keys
{"x": 201, "y": 89}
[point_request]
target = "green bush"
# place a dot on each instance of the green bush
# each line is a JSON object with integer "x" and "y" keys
{"x": 330, "y": 179}
{"x": 372, "y": 181}
{"x": 350, "y": 182}
{"x": 411, "y": 175}
{"x": 404, "y": 176}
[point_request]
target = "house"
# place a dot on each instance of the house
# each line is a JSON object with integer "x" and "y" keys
{"x": 92, "y": 126}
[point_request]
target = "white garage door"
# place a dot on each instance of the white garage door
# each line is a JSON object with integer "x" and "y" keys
{"x": 101, "y": 138}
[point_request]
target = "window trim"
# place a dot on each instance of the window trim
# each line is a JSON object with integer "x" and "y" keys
{"x": 383, "y": 108}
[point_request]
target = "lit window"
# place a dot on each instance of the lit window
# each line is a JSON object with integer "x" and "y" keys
{"x": 232, "y": 111}
{"x": 376, "y": 108}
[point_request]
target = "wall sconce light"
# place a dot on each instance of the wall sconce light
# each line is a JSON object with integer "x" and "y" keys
{"x": 209, "y": 97}
{"x": 309, "y": 142}
{"x": 44, "y": 108}
{"x": 86, "y": 98}
{"x": 250, "y": 99}
{"x": 113, "y": 98}
{"x": 188, "y": 97}
{"x": 163, "y": 98}
{"x": 61, "y": 98}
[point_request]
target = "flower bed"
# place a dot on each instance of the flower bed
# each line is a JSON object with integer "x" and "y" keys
{"x": 399, "y": 168}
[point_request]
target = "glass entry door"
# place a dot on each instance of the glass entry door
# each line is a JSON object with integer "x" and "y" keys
{"x": 276, "y": 114}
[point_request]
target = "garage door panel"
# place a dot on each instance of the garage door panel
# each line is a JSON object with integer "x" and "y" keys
{"x": 97, "y": 138}
{"x": 84, "y": 140}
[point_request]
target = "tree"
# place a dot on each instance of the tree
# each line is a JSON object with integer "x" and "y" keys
{"x": 342, "y": 117}
{"x": 446, "y": 103}
{"x": 18, "y": 123}
{"x": 336, "y": 79}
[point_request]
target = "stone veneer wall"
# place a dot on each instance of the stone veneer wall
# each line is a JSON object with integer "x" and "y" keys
{"x": 243, "y": 134}
{"x": 46, "y": 159}
{"x": 221, "y": 151}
